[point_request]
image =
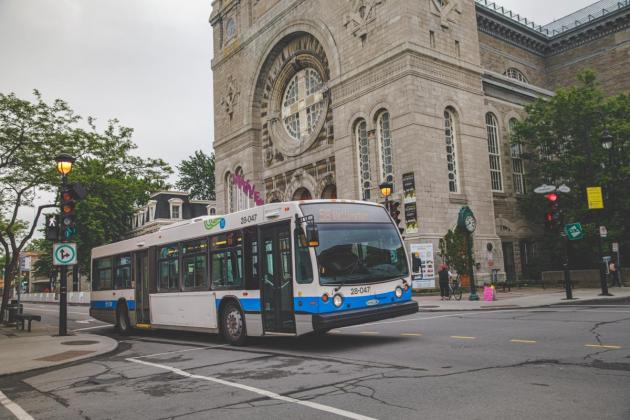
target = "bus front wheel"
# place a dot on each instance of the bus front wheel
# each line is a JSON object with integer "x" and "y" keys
{"x": 233, "y": 325}
{"x": 122, "y": 321}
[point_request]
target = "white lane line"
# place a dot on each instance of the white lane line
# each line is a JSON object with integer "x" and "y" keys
{"x": 471, "y": 313}
{"x": 93, "y": 328}
{"x": 268, "y": 394}
{"x": 181, "y": 351}
{"x": 17, "y": 411}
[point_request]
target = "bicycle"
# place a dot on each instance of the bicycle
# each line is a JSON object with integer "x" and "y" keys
{"x": 454, "y": 289}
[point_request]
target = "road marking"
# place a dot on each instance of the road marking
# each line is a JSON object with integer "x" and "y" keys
{"x": 523, "y": 341}
{"x": 369, "y": 332}
{"x": 463, "y": 337}
{"x": 34, "y": 308}
{"x": 601, "y": 346}
{"x": 468, "y": 313}
{"x": 411, "y": 334}
{"x": 334, "y": 332}
{"x": 258, "y": 391}
{"x": 181, "y": 351}
{"x": 17, "y": 411}
{"x": 93, "y": 328}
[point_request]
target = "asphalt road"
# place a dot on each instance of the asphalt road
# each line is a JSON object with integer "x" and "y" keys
{"x": 549, "y": 363}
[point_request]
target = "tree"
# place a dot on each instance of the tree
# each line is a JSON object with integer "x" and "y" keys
{"x": 31, "y": 135}
{"x": 561, "y": 140}
{"x": 196, "y": 174}
{"x": 453, "y": 251}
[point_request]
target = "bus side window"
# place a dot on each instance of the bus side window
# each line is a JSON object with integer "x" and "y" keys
{"x": 122, "y": 278}
{"x": 194, "y": 265}
{"x": 102, "y": 274}
{"x": 227, "y": 261}
{"x": 303, "y": 266}
{"x": 251, "y": 259}
{"x": 168, "y": 268}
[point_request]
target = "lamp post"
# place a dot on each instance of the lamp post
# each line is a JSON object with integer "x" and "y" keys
{"x": 386, "y": 189}
{"x": 64, "y": 167}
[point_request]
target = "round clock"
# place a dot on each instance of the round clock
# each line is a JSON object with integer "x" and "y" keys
{"x": 470, "y": 223}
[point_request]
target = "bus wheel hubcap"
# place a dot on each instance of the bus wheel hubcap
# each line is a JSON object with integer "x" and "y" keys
{"x": 234, "y": 323}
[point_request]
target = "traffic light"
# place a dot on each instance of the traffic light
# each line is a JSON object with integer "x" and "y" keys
{"x": 553, "y": 217}
{"x": 69, "y": 195}
{"x": 394, "y": 211}
{"x": 52, "y": 227}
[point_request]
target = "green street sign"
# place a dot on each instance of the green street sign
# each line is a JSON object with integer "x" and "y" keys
{"x": 574, "y": 231}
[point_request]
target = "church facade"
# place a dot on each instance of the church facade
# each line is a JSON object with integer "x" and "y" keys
{"x": 327, "y": 99}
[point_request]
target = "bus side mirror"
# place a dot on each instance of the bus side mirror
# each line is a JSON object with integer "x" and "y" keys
{"x": 312, "y": 235}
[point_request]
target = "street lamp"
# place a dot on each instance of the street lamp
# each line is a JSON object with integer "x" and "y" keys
{"x": 386, "y": 189}
{"x": 64, "y": 163}
{"x": 607, "y": 140}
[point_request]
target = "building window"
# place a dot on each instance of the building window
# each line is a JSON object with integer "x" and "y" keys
{"x": 518, "y": 171}
{"x": 494, "y": 152}
{"x": 211, "y": 210}
{"x": 515, "y": 74}
{"x": 303, "y": 103}
{"x": 242, "y": 200}
{"x": 152, "y": 205}
{"x": 450, "y": 137}
{"x": 230, "y": 29}
{"x": 385, "y": 149}
{"x": 432, "y": 39}
{"x": 363, "y": 146}
{"x": 458, "y": 51}
{"x": 230, "y": 196}
{"x": 176, "y": 208}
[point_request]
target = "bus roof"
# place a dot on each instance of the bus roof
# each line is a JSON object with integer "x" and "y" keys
{"x": 200, "y": 227}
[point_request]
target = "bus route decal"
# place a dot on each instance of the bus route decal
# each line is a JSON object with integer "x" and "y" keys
{"x": 211, "y": 224}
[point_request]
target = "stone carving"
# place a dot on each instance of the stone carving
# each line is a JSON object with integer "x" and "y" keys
{"x": 445, "y": 9}
{"x": 363, "y": 12}
{"x": 230, "y": 99}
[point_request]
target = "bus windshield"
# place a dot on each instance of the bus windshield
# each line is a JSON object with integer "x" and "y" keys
{"x": 357, "y": 244}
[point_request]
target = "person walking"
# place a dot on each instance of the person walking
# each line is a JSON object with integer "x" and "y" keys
{"x": 444, "y": 277}
{"x": 614, "y": 274}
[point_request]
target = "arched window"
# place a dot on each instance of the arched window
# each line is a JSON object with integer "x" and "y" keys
{"x": 494, "y": 152}
{"x": 243, "y": 201}
{"x": 518, "y": 171}
{"x": 515, "y": 74}
{"x": 230, "y": 195}
{"x": 385, "y": 146}
{"x": 303, "y": 103}
{"x": 450, "y": 138}
{"x": 363, "y": 146}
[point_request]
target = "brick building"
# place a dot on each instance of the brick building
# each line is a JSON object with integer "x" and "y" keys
{"x": 322, "y": 98}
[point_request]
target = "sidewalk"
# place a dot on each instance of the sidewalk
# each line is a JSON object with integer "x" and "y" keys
{"x": 23, "y": 351}
{"x": 521, "y": 298}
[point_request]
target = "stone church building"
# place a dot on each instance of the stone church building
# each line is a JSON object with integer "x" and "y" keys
{"x": 328, "y": 98}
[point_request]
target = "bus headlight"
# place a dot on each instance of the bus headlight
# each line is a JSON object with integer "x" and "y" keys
{"x": 337, "y": 300}
{"x": 398, "y": 292}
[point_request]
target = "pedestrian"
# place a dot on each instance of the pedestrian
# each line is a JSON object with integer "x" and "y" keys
{"x": 614, "y": 274}
{"x": 444, "y": 276}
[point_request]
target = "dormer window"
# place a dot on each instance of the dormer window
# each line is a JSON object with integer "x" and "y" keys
{"x": 211, "y": 210}
{"x": 176, "y": 208}
{"x": 152, "y": 205}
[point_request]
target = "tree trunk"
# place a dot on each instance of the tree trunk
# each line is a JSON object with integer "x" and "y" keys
{"x": 9, "y": 271}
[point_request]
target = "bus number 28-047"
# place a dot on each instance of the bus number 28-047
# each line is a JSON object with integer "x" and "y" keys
{"x": 248, "y": 219}
{"x": 359, "y": 290}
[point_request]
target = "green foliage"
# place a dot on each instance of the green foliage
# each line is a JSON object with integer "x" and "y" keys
{"x": 453, "y": 251}
{"x": 31, "y": 135}
{"x": 196, "y": 174}
{"x": 561, "y": 140}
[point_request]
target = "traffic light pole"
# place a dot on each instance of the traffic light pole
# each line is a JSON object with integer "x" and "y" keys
{"x": 602, "y": 269}
{"x": 63, "y": 281}
{"x": 568, "y": 285}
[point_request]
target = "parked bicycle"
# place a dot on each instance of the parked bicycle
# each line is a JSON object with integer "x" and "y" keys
{"x": 455, "y": 289}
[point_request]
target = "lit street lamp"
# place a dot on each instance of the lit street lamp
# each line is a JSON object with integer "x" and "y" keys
{"x": 386, "y": 190}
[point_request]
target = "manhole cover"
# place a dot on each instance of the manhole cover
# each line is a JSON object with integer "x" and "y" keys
{"x": 79, "y": 343}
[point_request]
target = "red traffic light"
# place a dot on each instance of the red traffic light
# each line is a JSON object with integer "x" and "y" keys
{"x": 551, "y": 197}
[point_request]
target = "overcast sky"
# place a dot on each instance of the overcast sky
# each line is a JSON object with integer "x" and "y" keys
{"x": 145, "y": 62}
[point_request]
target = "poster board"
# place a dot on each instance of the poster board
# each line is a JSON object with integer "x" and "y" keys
{"x": 409, "y": 199}
{"x": 423, "y": 266}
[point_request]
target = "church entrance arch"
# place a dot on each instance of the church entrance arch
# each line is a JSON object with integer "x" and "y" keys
{"x": 329, "y": 192}
{"x": 302, "y": 194}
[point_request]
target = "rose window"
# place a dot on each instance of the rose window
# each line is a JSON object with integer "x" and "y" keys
{"x": 303, "y": 103}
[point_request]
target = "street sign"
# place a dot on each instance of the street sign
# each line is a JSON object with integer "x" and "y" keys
{"x": 595, "y": 198}
{"x": 603, "y": 232}
{"x": 615, "y": 247}
{"x": 544, "y": 189}
{"x": 564, "y": 189}
{"x": 574, "y": 231}
{"x": 64, "y": 254}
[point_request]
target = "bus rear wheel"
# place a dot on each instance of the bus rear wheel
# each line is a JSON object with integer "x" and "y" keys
{"x": 233, "y": 325}
{"x": 122, "y": 321}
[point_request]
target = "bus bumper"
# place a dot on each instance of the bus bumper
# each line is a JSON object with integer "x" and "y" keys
{"x": 360, "y": 316}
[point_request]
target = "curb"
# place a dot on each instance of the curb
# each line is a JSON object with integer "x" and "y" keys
{"x": 507, "y": 307}
{"x": 83, "y": 358}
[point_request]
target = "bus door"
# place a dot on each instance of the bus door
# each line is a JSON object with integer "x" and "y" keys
{"x": 277, "y": 279}
{"x": 142, "y": 287}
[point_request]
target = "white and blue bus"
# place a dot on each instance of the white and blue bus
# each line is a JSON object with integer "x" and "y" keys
{"x": 278, "y": 269}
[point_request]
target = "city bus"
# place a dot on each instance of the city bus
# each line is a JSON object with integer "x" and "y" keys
{"x": 283, "y": 269}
